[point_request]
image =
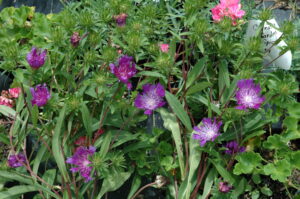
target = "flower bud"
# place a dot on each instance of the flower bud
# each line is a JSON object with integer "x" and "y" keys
{"x": 224, "y": 187}
{"x": 265, "y": 15}
{"x": 121, "y": 19}
{"x": 75, "y": 39}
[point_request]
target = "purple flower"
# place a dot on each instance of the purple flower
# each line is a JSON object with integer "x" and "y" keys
{"x": 151, "y": 99}
{"x": 75, "y": 39}
{"x": 121, "y": 19}
{"x": 124, "y": 70}
{"x": 15, "y": 161}
{"x": 248, "y": 95}
{"x": 36, "y": 57}
{"x": 224, "y": 187}
{"x": 40, "y": 95}
{"x": 233, "y": 148}
{"x": 80, "y": 159}
{"x": 208, "y": 131}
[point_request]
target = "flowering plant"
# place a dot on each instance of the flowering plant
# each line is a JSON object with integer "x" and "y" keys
{"x": 117, "y": 96}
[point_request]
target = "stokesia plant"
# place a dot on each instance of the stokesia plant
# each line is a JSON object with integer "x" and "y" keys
{"x": 146, "y": 99}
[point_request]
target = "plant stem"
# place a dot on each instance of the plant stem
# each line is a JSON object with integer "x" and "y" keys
{"x": 141, "y": 189}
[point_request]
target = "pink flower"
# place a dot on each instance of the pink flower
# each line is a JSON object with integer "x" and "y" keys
{"x": 164, "y": 47}
{"x": 6, "y": 102}
{"x": 224, "y": 187}
{"x": 14, "y": 92}
{"x": 228, "y": 8}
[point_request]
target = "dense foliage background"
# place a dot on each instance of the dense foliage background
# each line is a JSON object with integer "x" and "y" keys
{"x": 89, "y": 106}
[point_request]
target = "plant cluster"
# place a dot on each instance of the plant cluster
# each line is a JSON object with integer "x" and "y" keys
{"x": 124, "y": 95}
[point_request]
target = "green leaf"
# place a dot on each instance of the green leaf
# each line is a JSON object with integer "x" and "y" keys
{"x": 38, "y": 158}
{"x": 105, "y": 144}
{"x": 275, "y": 142}
{"x": 194, "y": 160}
{"x": 223, "y": 172}
{"x": 16, "y": 177}
{"x": 56, "y": 145}
{"x": 86, "y": 118}
{"x": 294, "y": 110}
{"x": 196, "y": 71}
{"x": 113, "y": 182}
{"x": 153, "y": 74}
{"x": 291, "y": 123}
{"x": 179, "y": 110}
{"x": 34, "y": 115}
{"x": 247, "y": 162}
{"x": 279, "y": 170}
{"x": 266, "y": 191}
{"x": 16, "y": 191}
{"x": 239, "y": 188}
{"x": 209, "y": 181}
{"x": 198, "y": 87}
{"x": 296, "y": 159}
{"x": 171, "y": 124}
{"x": 136, "y": 183}
{"x": 223, "y": 79}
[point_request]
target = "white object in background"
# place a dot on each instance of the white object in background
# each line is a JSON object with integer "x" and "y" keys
{"x": 269, "y": 36}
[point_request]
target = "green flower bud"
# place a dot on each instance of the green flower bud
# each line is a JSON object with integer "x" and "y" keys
{"x": 90, "y": 57}
{"x": 287, "y": 28}
{"x": 265, "y": 15}
{"x": 109, "y": 54}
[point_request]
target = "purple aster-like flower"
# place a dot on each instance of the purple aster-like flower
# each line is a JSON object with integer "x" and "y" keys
{"x": 15, "y": 161}
{"x": 208, "y": 131}
{"x": 224, "y": 187}
{"x": 40, "y": 95}
{"x": 36, "y": 57}
{"x": 124, "y": 70}
{"x": 121, "y": 19}
{"x": 151, "y": 99}
{"x": 80, "y": 159}
{"x": 233, "y": 148}
{"x": 248, "y": 95}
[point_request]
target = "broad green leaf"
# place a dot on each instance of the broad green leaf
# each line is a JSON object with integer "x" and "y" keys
{"x": 291, "y": 123}
{"x": 136, "y": 183}
{"x": 194, "y": 159}
{"x": 223, "y": 79}
{"x": 279, "y": 170}
{"x": 38, "y": 158}
{"x": 223, "y": 172}
{"x": 49, "y": 177}
{"x": 153, "y": 74}
{"x": 16, "y": 191}
{"x": 296, "y": 159}
{"x": 56, "y": 145}
{"x": 7, "y": 111}
{"x": 34, "y": 115}
{"x": 179, "y": 110}
{"x": 16, "y": 177}
{"x": 171, "y": 124}
{"x": 209, "y": 181}
{"x": 113, "y": 182}
{"x": 294, "y": 110}
{"x": 198, "y": 87}
{"x": 247, "y": 162}
{"x": 275, "y": 142}
{"x": 196, "y": 71}
{"x": 105, "y": 144}
{"x": 86, "y": 118}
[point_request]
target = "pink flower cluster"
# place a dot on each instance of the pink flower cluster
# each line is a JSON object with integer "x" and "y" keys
{"x": 6, "y": 97}
{"x": 228, "y": 8}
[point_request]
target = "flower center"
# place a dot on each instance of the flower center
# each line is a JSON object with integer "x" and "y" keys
{"x": 248, "y": 99}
